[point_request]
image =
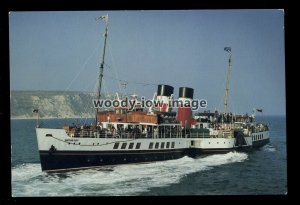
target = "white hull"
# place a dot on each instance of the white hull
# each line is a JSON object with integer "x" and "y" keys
{"x": 61, "y": 141}
{"x": 59, "y": 151}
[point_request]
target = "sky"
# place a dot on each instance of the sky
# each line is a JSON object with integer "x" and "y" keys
{"x": 61, "y": 50}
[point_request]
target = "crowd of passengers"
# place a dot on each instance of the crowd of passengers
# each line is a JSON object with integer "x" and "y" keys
{"x": 132, "y": 131}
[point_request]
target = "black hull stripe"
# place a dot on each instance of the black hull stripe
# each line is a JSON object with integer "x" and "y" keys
{"x": 59, "y": 162}
{"x": 260, "y": 143}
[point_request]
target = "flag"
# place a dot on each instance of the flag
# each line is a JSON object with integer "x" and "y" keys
{"x": 228, "y": 49}
{"x": 103, "y": 18}
{"x": 35, "y": 110}
{"x": 259, "y": 110}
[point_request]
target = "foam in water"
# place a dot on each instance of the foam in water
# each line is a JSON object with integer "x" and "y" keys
{"x": 269, "y": 148}
{"x": 133, "y": 179}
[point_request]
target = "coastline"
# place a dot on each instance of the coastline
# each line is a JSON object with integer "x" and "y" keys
{"x": 47, "y": 118}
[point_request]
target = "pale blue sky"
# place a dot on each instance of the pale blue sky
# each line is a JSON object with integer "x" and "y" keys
{"x": 61, "y": 51}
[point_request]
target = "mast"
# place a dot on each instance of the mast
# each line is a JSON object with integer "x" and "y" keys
{"x": 227, "y": 49}
{"x": 105, "y": 19}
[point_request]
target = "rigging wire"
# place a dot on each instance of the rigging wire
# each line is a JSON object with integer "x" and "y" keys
{"x": 83, "y": 66}
{"x": 133, "y": 82}
{"x": 86, "y": 88}
{"x": 113, "y": 67}
{"x": 113, "y": 64}
{"x": 105, "y": 88}
{"x": 89, "y": 102}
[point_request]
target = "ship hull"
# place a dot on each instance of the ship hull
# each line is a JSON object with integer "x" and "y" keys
{"x": 59, "y": 152}
{"x": 225, "y": 145}
{"x": 260, "y": 143}
{"x": 66, "y": 160}
{"x": 255, "y": 144}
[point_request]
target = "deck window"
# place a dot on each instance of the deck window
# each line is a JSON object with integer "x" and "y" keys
{"x": 124, "y": 146}
{"x": 173, "y": 145}
{"x": 138, "y": 145}
{"x": 168, "y": 145}
{"x": 116, "y": 145}
{"x": 131, "y": 145}
{"x": 162, "y": 145}
{"x": 151, "y": 145}
{"x": 156, "y": 145}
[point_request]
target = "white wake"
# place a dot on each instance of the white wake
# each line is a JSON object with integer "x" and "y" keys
{"x": 269, "y": 148}
{"x": 133, "y": 179}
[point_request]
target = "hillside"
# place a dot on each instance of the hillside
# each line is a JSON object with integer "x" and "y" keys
{"x": 51, "y": 104}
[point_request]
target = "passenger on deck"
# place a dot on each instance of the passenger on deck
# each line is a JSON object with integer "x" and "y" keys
{"x": 113, "y": 130}
{"x": 155, "y": 132}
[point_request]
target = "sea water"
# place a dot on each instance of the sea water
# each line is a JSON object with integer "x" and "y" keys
{"x": 258, "y": 172}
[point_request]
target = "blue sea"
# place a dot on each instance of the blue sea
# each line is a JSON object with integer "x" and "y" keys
{"x": 259, "y": 172}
